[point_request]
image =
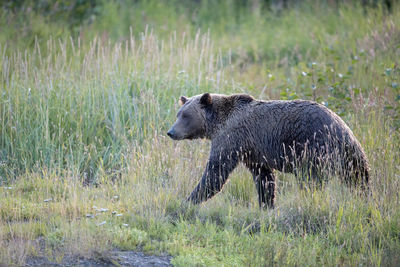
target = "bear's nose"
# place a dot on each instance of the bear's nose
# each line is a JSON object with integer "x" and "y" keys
{"x": 171, "y": 133}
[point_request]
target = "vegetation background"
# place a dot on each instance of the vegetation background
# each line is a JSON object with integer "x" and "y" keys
{"x": 89, "y": 88}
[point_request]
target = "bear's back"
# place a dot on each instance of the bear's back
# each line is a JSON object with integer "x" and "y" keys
{"x": 272, "y": 128}
{"x": 297, "y": 120}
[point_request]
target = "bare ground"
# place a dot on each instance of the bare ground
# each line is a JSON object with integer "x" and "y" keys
{"x": 115, "y": 258}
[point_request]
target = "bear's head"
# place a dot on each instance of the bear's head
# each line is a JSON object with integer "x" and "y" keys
{"x": 202, "y": 116}
{"x": 191, "y": 118}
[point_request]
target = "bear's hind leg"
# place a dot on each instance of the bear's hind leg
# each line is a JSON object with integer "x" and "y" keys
{"x": 265, "y": 183}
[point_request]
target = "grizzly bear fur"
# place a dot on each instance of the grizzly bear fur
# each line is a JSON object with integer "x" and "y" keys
{"x": 300, "y": 137}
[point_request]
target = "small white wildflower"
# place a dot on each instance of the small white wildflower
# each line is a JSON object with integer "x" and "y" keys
{"x": 103, "y": 222}
{"x": 102, "y": 210}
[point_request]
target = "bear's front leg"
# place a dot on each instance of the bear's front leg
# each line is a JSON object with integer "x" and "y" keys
{"x": 219, "y": 166}
{"x": 265, "y": 183}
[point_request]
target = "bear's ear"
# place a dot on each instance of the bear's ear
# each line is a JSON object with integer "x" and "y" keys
{"x": 206, "y": 99}
{"x": 182, "y": 100}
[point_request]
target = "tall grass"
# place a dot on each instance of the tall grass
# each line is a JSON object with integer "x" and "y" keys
{"x": 70, "y": 103}
{"x": 93, "y": 108}
{"x": 81, "y": 110}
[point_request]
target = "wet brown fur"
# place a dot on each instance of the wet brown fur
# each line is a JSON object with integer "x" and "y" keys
{"x": 300, "y": 137}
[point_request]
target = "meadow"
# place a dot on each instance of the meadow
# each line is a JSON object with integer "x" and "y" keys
{"x": 86, "y": 166}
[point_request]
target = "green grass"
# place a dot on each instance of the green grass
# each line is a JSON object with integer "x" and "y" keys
{"x": 83, "y": 120}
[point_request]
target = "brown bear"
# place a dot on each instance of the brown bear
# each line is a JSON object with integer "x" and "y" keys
{"x": 299, "y": 136}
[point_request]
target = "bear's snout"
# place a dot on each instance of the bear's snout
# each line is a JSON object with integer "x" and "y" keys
{"x": 171, "y": 133}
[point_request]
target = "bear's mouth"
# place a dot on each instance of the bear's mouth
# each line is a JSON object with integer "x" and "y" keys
{"x": 175, "y": 137}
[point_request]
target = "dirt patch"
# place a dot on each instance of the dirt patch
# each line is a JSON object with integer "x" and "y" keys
{"x": 115, "y": 258}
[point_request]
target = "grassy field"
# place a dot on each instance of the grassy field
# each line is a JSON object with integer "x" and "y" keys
{"x": 85, "y": 164}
